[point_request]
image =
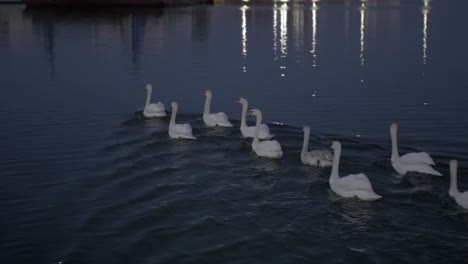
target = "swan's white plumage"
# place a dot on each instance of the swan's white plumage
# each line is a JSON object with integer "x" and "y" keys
{"x": 249, "y": 131}
{"x": 153, "y": 109}
{"x": 460, "y": 198}
{"x": 267, "y": 148}
{"x": 421, "y": 157}
{"x": 417, "y": 162}
{"x": 353, "y": 185}
{"x": 214, "y": 119}
{"x": 321, "y": 158}
{"x": 179, "y": 130}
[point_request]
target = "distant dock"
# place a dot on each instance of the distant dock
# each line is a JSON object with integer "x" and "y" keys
{"x": 95, "y": 3}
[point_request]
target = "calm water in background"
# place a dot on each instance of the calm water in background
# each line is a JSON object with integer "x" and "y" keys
{"x": 85, "y": 179}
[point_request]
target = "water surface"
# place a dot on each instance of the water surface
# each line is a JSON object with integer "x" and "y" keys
{"x": 85, "y": 178}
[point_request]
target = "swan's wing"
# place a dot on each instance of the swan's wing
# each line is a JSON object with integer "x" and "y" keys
{"x": 270, "y": 145}
{"x": 269, "y": 149}
{"x": 355, "y": 182}
{"x": 423, "y": 168}
{"x": 462, "y": 199}
{"x": 247, "y": 131}
{"x": 264, "y": 132}
{"x": 222, "y": 119}
{"x": 420, "y": 157}
{"x": 183, "y": 128}
{"x": 158, "y": 107}
{"x": 322, "y": 155}
{"x": 217, "y": 119}
{"x": 264, "y": 129}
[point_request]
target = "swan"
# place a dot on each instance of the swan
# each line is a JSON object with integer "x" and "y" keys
{"x": 151, "y": 109}
{"x": 352, "y": 185}
{"x": 267, "y": 148}
{"x": 216, "y": 119}
{"x": 460, "y": 198}
{"x": 179, "y": 130}
{"x": 417, "y": 162}
{"x": 322, "y": 158}
{"x": 249, "y": 131}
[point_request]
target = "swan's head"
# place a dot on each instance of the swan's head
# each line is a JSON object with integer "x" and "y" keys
{"x": 174, "y": 106}
{"x": 255, "y": 112}
{"x": 208, "y": 94}
{"x": 148, "y": 87}
{"x": 393, "y": 127}
{"x": 306, "y": 129}
{"x": 335, "y": 145}
{"x": 242, "y": 100}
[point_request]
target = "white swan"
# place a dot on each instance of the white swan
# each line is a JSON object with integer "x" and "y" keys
{"x": 322, "y": 158}
{"x": 460, "y": 198}
{"x": 249, "y": 131}
{"x": 352, "y": 185}
{"x": 151, "y": 109}
{"x": 179, "y": 130}
{"x": 267, "y": 148}
{"x": 417, "y": 162}
{"x": 216, "y": 119}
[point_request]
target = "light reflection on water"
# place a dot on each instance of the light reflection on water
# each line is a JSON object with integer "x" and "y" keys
{"x": 86, "y": 179}
{"x": 363, "y": 28}
{"x": 425, "y": 11}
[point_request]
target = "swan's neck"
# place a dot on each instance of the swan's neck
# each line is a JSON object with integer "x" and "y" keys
{"x": 305, "y": 145}
{"x": 257, "y": 129}
{"x": 207, "y": 106}
{"x": 336, "y": 163}
{"x": 148, "y": 98}
{"x": 244, "y": 113}
{"x": 453, "y": 181}
{"x": 395, "y": 155}
{"x": 173, "y": 116}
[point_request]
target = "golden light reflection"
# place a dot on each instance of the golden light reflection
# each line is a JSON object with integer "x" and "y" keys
{"x": 363, "y": 23}
{"x": 425, "y": 10}
{"x": 314, "y": 33}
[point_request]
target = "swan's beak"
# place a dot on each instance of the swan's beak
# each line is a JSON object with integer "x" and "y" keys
{"x": 237, "y": 101}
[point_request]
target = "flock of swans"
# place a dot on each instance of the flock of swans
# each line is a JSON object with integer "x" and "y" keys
{"x": 353, "y": 185}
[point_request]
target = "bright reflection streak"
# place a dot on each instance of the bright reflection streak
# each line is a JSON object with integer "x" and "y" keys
{"x": 425, "y": 11}
{"x": 284, "y": 30}
{"x": 363, "y": 14}
{"x": 244, "y": 30}
{"x": 275, "y": 35}
{"x": 314, "y": 33}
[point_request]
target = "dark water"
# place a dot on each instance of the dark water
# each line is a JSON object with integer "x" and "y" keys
{"x": 85, "y": 179}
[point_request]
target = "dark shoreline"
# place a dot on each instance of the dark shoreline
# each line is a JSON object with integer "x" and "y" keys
{"x": 107, "y": 3}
